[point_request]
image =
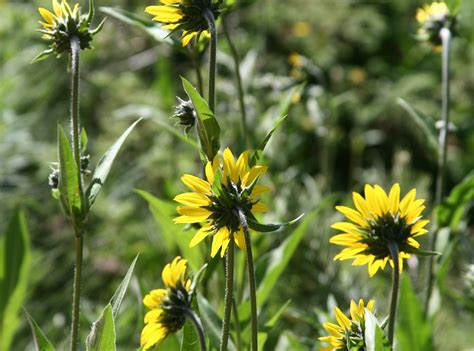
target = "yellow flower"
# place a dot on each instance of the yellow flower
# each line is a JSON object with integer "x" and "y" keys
{"x": 378, "y": 221}
{"x": 186, "y": 15}
{"x": 347, "y": 334}
{"x": 229, "y": 188}
{"x": 432, "y": 18}
{"x": 64, "y": 23}
{"x": 167, "y": 306}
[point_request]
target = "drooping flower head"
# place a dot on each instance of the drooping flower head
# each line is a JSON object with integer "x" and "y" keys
{"x": 432, "y": 18}
{"x": 348, "y": 334}
{"x": 377, "y": 221}
{"x": 64, "y": 23}
{"x": 167, "y": 306}
{"x": 229, "y": 187}
{"x": 185, "y": 15}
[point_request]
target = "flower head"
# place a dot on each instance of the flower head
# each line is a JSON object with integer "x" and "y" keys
{"x": 432, "y": 18}
{"x": 64, "y": 23}
{"x": 186, "y": 15}
{"x": 228, "y": 188}
{"x": 348, "y": 334}
{"x": 186, "y": 114}
{"x": 167, "y": 306}
{"x": 378, "y": 221}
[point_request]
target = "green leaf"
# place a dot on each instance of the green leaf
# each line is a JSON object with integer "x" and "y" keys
{"x": 280, "y": 257}
{"x": 207, "y": 126}
{"x": 69, "y": 192}
{"x": 117, "y": 299}
{"x": 42, "y": 55}
{"x": 451, "y": 210}
{"x": 84, "y": 141}
{"x": 190, "y": 339}
{"x": 164, "y": 212}
{"x": 418, "y": 252}
{"x": 263, "y": 333}
{"x": 425, "y": 126}
{"x": 212, "y": 323}
{"x": 105, "y": 163}
{"x": 196, "y": 279}
{"x": 375, "y": 339}
{"x": 102, "y": 335}
{"x": 14, "y": 270}
{"x": 41, "y": 341}
{"x": 283, "y": 109}
{"x": 150, "y": 27}
{"x": 413, "y": 331}
{"x": 267, "y": 228}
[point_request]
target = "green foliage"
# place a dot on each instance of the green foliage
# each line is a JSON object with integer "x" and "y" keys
{"x": 413, "y": 332}
{"x": 14, "y": 274}
{"x": 41, "y": 341}
{"x": 451, "y": 210}
{"x": 206, "y": 124}
{"x": 375, "y": 339}
{"x": 105, "y": 164}
{"x": 102, "y": 335}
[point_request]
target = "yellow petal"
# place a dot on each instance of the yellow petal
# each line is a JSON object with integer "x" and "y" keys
{"x": 361, "y": 205}
{"x": 230, "y": 169}
{"x": 57, "y": 8}
{"x": 197, "y": 184}
{"x": 193, "y": 199}
{"x": 382, "y": 199}
{"x": 257, "y": 190}
{"x": 354, "y": 311}
{"x": 253, "y": 174}
{"x": 47, "y": 15}
{"x": 346, "y": 227}
{"x": 333, "y": 329}
{"x": 370, "y": 305}
{"x": 201, "y": 234}
{"x": 259, "y": 207}
{"x": 342, "y": 319}
{"x": 394, "y": 198}
{"x": 242, "y": 165}
{"x": 221, "y": 235}
{"x": 345, "y": 239}
{"x": 187, "y": 36}
{"x": 192, "y": 211}
{"x": 354, "y": 216}
{"x": 371, "y": 201}
{"x": 406, "y": 202}
{"x": 239, "y": 239}
{"x": 189, "y": 220}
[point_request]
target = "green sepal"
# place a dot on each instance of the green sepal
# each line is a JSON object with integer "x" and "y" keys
{"x": 418, "y": 252}
{"x": 267, "y": 228}
{"x": 207, "y": 127}
{"x": 42, "y": 55}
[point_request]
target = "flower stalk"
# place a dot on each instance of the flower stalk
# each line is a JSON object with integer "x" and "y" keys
{"x": 240, "y": 90}
{"x": 211, "y": 22}
{"x": 252, "y": 285}
{"x": 196, "y": 321}
{"x": 75, "y": 131}
{"x": 229, "y": 287}
{"x": 445, "y": 35}
{"x": 394, "y": 253}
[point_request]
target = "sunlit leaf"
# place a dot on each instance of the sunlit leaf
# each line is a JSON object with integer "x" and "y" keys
{"x": 116, "y": 300}
{"x": 102, "y": 335}
{"x": 375, "y": 339}
{"x": 40, "y": 340}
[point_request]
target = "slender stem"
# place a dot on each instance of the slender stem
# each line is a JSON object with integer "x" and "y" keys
{"x": 445, "y": 35}
{"x": 252, "y": 285}
{"x": 237, "y": 324}
{"x": 75, "y": 131}
{"x": 211, "y": 23}
{"x": 229, "y": 286}
{"x": 76, "y": 297}
{"x": 193, "y": 317}
{"x": 240, "y": 88}
{"x": 395, "y": 287}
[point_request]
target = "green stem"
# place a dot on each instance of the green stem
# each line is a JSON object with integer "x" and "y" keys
{"x": 77, "y": 226}
{"x": 211, "y": 23}
{"x": 196, "y": 321}
{"x": 252, "y": 285}
{"x": 229, "y": 286}
{"x": 393, "y": 248}
{"x": 238, "y": 78}
{"x": 445, "y": 35}
{"x": 76, "y": 296}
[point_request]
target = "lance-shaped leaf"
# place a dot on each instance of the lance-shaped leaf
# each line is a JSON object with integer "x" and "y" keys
{"x": 14, "y": 270}
{"x": 426, "y": 127}
{"x": 105, "y": 163}
{"x": 40, "y": 340}
{"x": 116, "y": 300}
{"x": 283, "y": 110}
{"x": 102, "y": 335}
{"x": 375, "y": 339}
{"x": 267, "y": 228}
{"x": 207, "y": 127}
{"x": 69, "y": 190}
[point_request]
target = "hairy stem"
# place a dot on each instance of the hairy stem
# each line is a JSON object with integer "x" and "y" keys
{"x": 75, "y": 131}
{"x": 211, "y": 23}
{"x": 196, "y": 321}
{"x": 252, "y": 285}
{"x": 240, "y": 89}
{"x": 445, "y": 35}
{"x": 392, "y": 246}
{"x": 229, "y": 286}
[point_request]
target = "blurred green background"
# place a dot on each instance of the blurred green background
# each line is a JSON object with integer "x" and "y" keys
{"x": 345, "y": 129}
